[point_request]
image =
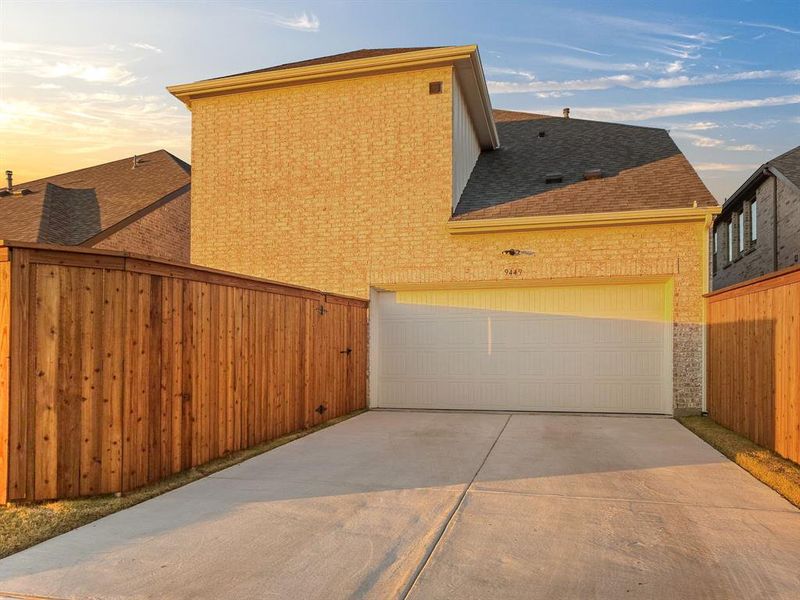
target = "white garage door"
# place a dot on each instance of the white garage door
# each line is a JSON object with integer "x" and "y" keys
{"x": 592, "y": 348}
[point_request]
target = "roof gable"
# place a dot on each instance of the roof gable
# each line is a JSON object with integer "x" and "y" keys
{"x": 332, "y": 58}
{"x": 787, "y": 164}
{"x": 465, "y": 61}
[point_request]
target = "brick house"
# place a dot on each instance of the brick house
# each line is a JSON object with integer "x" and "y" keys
{"x": 138, "y": 204}
{"x": 758, "y": 230}
{"x": 513, "y": 260}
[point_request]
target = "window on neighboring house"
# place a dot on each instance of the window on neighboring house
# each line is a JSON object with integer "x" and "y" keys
{"x": 753, "y": 222}
{"x": 741, "y": 232}
{"x": 730, "y": 240}
{"x": 716, "y": 247}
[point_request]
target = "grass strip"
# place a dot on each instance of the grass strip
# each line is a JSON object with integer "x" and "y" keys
{"x": 781, "y": 474}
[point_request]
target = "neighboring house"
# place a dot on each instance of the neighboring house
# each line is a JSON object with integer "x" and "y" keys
{"x": 758, "y": 230}
{"x": 513, "y": 261}
{"x": 142, "y": 207}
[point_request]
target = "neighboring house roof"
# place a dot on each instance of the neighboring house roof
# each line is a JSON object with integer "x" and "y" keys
{"x": 788, "y": 164}
{"x": 641, "y": 169}
{"x": 85, "y": 206}
{"x": 333, "y": 58}
{"x": 785, "y": 166}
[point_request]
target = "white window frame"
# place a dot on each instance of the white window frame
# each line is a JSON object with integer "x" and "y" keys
{"x": 740, "y": 220}
{"x": 715, "y": 252}
{"x": 754, "y": 221}
{"x": 730, "y": 240}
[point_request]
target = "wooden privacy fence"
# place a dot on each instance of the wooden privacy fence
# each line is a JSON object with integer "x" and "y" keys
{"x": 117, "y": 370}
{"x": 753, "y": 360}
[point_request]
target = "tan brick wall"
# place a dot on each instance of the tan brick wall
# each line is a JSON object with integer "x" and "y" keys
{"x": 346, "y": 184}
{"x": 164, "y": 232}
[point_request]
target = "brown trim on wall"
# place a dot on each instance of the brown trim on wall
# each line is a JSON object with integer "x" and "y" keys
{"x": 136, "y": 216}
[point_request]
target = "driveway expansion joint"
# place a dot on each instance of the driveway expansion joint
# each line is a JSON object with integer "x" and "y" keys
{"x": 455, "y": 510}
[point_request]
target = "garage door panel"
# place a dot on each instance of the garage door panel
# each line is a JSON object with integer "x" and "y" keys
{"x": 534, "y": 363}
{"x": 647, "y": 365}
{"x": 608, "y": 363}
{"x": 572, "y": 348}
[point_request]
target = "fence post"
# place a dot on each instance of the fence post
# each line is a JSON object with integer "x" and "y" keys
{"x": 5, "y": 358}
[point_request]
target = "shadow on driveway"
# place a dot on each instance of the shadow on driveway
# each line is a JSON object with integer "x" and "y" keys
{"x": 453, "y": 504}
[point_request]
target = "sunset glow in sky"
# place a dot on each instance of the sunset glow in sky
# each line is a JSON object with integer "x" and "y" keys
{"x": 83, "y": 83}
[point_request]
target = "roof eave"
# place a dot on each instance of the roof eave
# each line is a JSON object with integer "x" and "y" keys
{"x": 484, "y": 124}
{"x": 569, "y": 221}
{"x": 746, "y": 188}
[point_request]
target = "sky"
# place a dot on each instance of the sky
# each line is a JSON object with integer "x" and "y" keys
{"x": 83, "y": 83}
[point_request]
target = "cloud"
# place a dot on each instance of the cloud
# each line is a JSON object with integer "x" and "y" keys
{"x": 792, "y": 75}
{"x": 765, "y": 124}
{"x": 677, "y": 50}
{"x": 88, "y": 128}
{"x": 770, "y": 26}
{"x": 69, "y": 106}
{"x": 511, "y": 72}
{"x": 656, "y": 27}
{"x": 656, "y": 36}
{"x": 631, "y": 82}
{"x": 553, "y": 94}
{"x": 302, "y": 22}
{"x": 641, "y": 112}
{"x": 89, "y": 64}
{"x": 745, "y": 148}
{"x": 728, "y": 167}
{"x": 541, "y": 42}
{"x": 591, "y": 64}
{"x": 698, "y": 126}
{"x": 91, "y": 73}
{"x": 596, "y": 83}
{"x": 702, "y": 141}
{"x": 675, "y": 66}
{"x": 143, "y": 46}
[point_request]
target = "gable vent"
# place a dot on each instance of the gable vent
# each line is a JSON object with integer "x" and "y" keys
{"x": 553, "y": 178}
{"x": 592, "y": 174}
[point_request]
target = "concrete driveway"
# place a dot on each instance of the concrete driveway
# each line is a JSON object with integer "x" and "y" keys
{"x": 444, "y": 505}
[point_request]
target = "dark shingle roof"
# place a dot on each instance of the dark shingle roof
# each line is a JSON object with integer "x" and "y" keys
{"x": 333, "y": 58}
{"x": 642, "y": 168}
{"x": 72, "y": 207}
{"x": 788, "y": 164}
